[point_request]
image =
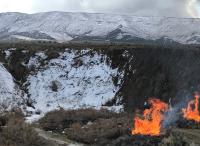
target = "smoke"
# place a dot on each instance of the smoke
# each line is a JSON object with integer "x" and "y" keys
{"x": 175, "y": 110}
{"x": 175, "y": 8}
{"x": 192, "y": 8}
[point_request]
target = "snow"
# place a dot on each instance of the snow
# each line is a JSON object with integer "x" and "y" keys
{"x": 6, "y": 81}
{"x": 8, "y": 52}
{"x": 22, "y": 37}
{"x": 8, "y": 92}
{"x": 63, "y": 26}
{"x": 81, "y": 82}
{"x": 27, "y": 38}
{"x": 76, "y": 79}
{"x": 34, "y": 61}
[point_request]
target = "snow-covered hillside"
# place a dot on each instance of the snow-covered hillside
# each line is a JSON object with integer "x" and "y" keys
{"x": 67, "y": 79}
{"x": 71, "y": 83}
{"x": 62, "y": 26}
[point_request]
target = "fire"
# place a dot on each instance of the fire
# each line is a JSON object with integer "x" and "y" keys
{"x": 150, "y": 123}
{"x": 192, "y": 110}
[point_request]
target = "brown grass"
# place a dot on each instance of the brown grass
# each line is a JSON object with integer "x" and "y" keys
{"x": 15, "y": 132}
{"x": 60, "y": 119}
{"x": 88, "y": 126}
{"x": 101, "y": 131}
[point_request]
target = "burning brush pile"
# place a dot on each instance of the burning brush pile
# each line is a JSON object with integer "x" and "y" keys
{"x": 151, "y": 123}
{"x": 191, "y": 114}
{"x": 149, "y": 127}
{"x": 193, "y": 109}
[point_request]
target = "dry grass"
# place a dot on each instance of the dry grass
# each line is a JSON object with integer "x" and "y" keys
{"x": 101, "y": 131}
{"x": 15, "y": 132}
{"x": 58, "y": 120}
{"x": 88, "y": 126}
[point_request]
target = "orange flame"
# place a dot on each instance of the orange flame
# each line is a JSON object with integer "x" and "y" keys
{"x": 192, "y": 110}
{"x": 150, "y": 124}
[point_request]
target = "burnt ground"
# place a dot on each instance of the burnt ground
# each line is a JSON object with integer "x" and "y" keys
{"x": 160, "y": 73}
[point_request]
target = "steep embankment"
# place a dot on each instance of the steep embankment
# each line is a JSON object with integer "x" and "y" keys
{"x": 161, "y": 73}
{"x": 10, "y": 94}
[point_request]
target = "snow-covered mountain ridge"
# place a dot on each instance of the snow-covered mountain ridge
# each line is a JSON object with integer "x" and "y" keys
{"x": 63, "y": 26}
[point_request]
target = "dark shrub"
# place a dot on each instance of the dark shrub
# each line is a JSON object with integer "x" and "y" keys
{"x": 60, "y": 119}
{"x": 52, "y": 54}
{"x": 99, "y": 132}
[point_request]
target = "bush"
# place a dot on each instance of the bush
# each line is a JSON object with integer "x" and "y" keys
{"x": 58, "y": 120}
{"x": 88, "y": 126}
{"x": 101, "y": 131}
{"x": 52, "y": 54}
{"x": 17, "y": 133}
{"x": 174, "y": 139}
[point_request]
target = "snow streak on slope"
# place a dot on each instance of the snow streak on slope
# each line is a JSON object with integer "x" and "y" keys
{"x": 63, "y": 26}
{"x": 76, "y": 79}
{"x": 8, "y": 92}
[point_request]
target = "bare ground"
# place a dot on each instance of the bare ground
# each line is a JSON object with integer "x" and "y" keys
{"x": 58, "y": 140}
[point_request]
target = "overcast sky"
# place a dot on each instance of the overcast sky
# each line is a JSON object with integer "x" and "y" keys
{"x": 175, "y": 8}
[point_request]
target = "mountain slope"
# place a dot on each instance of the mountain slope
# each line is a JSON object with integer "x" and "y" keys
{"x": 63, "y": 26}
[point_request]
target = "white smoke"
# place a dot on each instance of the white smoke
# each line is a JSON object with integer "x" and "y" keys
{"x": 192, "y": 6}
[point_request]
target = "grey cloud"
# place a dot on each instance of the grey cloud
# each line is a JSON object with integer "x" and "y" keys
{"x": 176, "y": 8}
{"x": 56, "y": 5}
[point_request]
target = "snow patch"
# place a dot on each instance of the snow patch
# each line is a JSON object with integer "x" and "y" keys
{"x": 71, "y": 81}
{"x": 8, "y": 93}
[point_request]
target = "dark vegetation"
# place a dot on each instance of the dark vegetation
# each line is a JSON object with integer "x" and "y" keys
{"x": 60, "y": 119}
{"x": 161, "y": 73}
{"x": 15, "y": 66}
{"x": 104, "y": 128}
{"x": 111, "y": 45}
{"x": 88, "y": 126}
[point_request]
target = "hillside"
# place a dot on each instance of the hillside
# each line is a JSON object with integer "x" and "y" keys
{"x": 41, "y": 80}
{"x": 63, "y": 26}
